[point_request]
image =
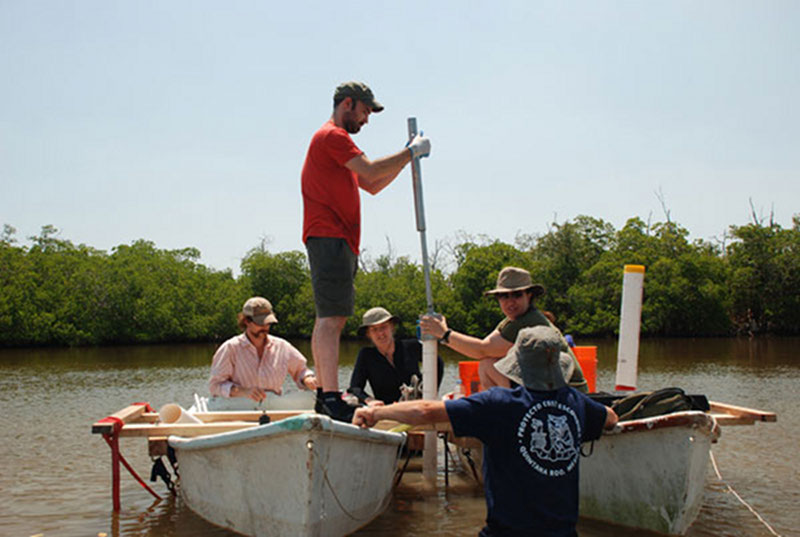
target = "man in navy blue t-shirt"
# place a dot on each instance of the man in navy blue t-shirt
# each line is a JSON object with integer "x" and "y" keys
{"x": 531, "y": 436}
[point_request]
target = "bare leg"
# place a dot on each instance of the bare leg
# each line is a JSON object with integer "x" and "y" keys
{"x": 490, "y": 376}
{"x": 325, "y": 349}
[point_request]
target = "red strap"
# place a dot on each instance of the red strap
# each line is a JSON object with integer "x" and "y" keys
{"x": 146, "y": 405}
{"x": 118, "y": 423}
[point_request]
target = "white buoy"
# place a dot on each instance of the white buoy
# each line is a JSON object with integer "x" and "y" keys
{"x": 630, "y": 320}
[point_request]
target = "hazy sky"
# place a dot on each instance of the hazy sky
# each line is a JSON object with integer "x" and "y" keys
{"x": 186, "y": 122}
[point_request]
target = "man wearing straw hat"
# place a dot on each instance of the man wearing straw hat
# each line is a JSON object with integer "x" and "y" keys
{"x": 334, "y": 171}
{"x": 531, "y": 436}
{"x": 255, "y": 362}
{"x": 515, "y": 292}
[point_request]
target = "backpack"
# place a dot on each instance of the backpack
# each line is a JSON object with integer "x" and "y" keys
{"x": 649, "y": 404}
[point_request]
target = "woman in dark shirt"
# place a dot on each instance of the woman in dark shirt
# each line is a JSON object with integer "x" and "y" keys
{"x": 389, "y": 363}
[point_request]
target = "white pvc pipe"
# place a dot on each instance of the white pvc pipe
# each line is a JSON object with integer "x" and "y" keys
{"x": 630, "y": 319}
{"x": 430, "y": 392}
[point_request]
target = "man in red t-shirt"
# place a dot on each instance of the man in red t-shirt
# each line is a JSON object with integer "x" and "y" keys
{"x": 334, "y": 169}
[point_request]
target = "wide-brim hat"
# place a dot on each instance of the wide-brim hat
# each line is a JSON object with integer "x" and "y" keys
{"x": 259, "y": 309}
{"x": 516, "y": 279}
{"x": 536, "y": 360}
{"x": 375, "y": 316}
{"x": 358, "y": 91}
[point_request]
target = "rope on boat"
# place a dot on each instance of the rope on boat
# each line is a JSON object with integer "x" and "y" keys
{"x": 759, "y": 517}
{"x": 130, "y": 469}
{"x": 380, "y": 507}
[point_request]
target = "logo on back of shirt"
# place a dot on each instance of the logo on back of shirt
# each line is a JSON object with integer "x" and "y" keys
{"x": 549, "y": 438}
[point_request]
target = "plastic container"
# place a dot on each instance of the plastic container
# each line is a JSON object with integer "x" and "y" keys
{"x": 587, "y": 358}
{"x": 172, "y": 413}
{"x": 459, "y": 391}
{"x": 468, "y": 372}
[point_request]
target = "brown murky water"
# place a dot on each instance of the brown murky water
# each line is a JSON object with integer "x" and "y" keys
{"x": 55, "y": 478}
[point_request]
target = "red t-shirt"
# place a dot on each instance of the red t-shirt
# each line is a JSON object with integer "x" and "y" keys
{"x": 331, "y": 201}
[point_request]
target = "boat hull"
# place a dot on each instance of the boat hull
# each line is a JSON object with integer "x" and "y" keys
{"x": 649, "y": 473}
{"x": 305, "y": 476}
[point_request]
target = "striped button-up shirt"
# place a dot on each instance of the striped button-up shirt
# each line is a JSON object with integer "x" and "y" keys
{"x": 236, "y": 362}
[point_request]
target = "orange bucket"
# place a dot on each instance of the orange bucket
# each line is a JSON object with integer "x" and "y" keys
{"x": 587, "y": 357}
{"x": 468, "y": 371}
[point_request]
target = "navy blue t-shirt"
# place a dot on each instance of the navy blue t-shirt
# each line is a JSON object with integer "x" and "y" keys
{"x": 531, "y": 447}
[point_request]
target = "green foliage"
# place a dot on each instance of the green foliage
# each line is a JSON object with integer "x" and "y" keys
{"x": 565, "y": 253}
{"x": 57, "y": 293}
{"x": 765, "y": 280}
{"x": 54, "y": 292}
{"x": 398, "y": 286}
{"x": 595, "y": 299}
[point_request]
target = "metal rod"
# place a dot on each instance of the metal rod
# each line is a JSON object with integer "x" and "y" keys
{"x": 419, "y": 208}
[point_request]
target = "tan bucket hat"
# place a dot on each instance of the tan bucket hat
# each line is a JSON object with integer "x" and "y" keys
{"x": 375, "y": 316}
{"x": 536, "y": 360}
{"x": 516, "y": 279}
{"x": 260, "y": 310}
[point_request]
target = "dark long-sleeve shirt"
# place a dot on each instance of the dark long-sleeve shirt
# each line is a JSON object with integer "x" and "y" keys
{"x": 384, "y": 378}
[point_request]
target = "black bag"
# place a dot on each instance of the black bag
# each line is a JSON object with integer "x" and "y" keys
{"x": 649, "y": 404}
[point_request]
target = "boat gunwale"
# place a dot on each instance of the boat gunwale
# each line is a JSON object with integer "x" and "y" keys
{"x": 695, "y": 419}
{"x": 301, "y": 424}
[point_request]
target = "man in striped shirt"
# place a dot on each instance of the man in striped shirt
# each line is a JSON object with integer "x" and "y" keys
{"x": 254, "y": 362}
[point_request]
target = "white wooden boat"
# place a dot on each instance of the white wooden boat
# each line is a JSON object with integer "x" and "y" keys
{"x": 306, "y": 475}
{"x": 648, "y": 473}
{"x": 302, "y": 474}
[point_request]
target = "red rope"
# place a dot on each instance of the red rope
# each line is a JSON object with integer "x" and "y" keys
{"x": 131, "y": 470}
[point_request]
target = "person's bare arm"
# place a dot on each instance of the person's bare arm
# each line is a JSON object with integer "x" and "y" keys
{"x": 492, "y": 346}
{"x": 611, "y": 418}
{"x": 310, "y": 382}
{"x": 374, "y": 176}
{"x": 412, "y": 412}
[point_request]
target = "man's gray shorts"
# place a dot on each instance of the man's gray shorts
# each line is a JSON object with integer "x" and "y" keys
{"x": 333, "y": 270}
